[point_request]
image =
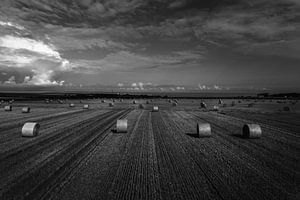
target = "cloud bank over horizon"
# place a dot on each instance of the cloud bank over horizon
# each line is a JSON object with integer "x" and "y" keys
{"x": 137, "y": 45}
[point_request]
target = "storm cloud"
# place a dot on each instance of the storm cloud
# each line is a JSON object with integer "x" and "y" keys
{"x": 182, "y": 42}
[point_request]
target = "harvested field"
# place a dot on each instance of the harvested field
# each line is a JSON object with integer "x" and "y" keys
{"x": 76, "y": 155}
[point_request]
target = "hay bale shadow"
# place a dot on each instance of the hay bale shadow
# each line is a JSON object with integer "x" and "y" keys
{"x": 195, "y": 135}
{"x": 238, "y": 136}
{"x": 192, "y": 134}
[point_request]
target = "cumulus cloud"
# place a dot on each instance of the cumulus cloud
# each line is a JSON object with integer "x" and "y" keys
{"x": 93, "y": 37}
{"x": 10, "y": 24}
{"x": 39, "y": 58}
{"x": 211, "y": 87}
{"x": 180, "y": 88}
{"x": 11, "y": 80}
{"x": 12, "y": 42}
{"x": 121, "y": 84}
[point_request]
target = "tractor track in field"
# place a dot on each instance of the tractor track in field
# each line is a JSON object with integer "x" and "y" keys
{"x": 36, "y": 182}
{"x": 117, "y": 187}
{"x": 240, "y": 170}
{"x": 180, "y": 177}
{"x": 42, "y": 143}
{"x": 8, "y": 125}
{"x": 67, "y": 175}
{"x": 102, "y": 173}
{"x": 42, "y": 147}
{"x": 11, "y": 134}
{"x": 278, "y": 125}
{"x": 141, "y": 180}
{"x": 285, "y": 139}
{"x": 14, "y": 138}
{"x": 283, "y": 168}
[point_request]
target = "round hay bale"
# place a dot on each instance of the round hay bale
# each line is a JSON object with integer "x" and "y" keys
{"x": 71, "y": 105}
{"x": 203, "y": 130}
{"x": 86, "y": 106}
{"x": 8, "y": 108}
{"x": 220, "y": 101}
{"x": 252, "y": 131}
{"x": 155, "y": 109}
{"x": 122, "y": 125}
{"x": 174, "y": 104}
{"x": 141, "y": 106}
{"x": 203, "y": 105}
{"x": 111, "y": 104}
{"x": 30, "y": 129}
{"x": 26, "y": 110}
{"x": 134, "y": 102}
{"x": 215, "y": 108}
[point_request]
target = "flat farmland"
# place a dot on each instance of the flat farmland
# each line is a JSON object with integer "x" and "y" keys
{"x": 76, "y": 155}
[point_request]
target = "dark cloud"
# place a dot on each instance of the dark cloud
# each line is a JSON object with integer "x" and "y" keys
{"x": 102, "y": 37}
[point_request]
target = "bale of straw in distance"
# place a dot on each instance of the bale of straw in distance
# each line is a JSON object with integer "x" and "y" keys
{"x": 26, "y": 110}
{"x": 122, "y": 125}
{"x": 155, "y": 109}
{"x": 252, "y": 131}
{"x": 220, "y": 101}
{"x": 215, "y": 108}
{"x": 111, "y": 104}
{"x": 30, "y": 129}
{"x": 202, "y": 105}
{"x": 141, "y": 106}
{"x": 71, "y": 105}
{"x": 86, "y": 106}
{"x": 174, "y": 104}
{"x": 203, "y": 130}
{"x": 134, "y": 102}
{"x": 8, "y": 108}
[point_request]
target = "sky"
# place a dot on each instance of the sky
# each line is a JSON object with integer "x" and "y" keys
{"x": 151, "y": 45}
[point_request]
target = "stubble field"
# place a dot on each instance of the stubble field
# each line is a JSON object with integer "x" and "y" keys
{"x": 77, "y": 156}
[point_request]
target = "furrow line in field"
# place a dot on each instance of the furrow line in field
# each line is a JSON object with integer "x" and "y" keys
{"x": 241, "y": 174}
{"x": 47, "y": 174}
{"x": 284, "y": 171}
{"x": 176, "y": 168}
